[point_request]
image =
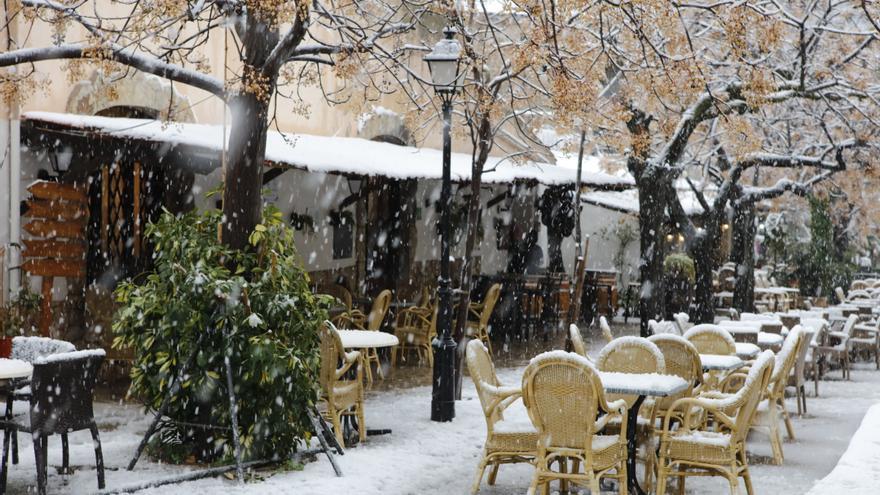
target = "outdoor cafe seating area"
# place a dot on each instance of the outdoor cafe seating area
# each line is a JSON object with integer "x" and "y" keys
{"x": 641, "y": 416}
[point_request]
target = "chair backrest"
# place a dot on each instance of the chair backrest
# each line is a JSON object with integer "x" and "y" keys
{"x": 711, "y": 339}
{"x": 663, "y": 327}
{"x": 841, "y": 296}
{"x": 561, "y": 392}
{"x": 800, "y": 363}
{"x": 489, "y": 302}
{"x": 683, "y": 320}
{"x": 30, "y": 349}
{"x": 577, "y": 341}
{"x": 786, "y": 359}
{"x": 858, "y": 294}
{"x": 331, "y": 349}
{"x": 606, "y": 329}
{"x": 858, "y": 285}
{"x": 379, "y": 310}
{"x": 750, "y": 394}
{"x": 63, "y": 389}
{"x": 680, "y": 358}
{"x": 482, "y": 372}
{"x": 630, "y": 355}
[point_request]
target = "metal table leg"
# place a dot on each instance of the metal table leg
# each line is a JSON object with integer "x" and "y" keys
{"x": 632, "y": 417}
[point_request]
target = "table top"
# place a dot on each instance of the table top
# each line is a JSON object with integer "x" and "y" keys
{"x": 653, "y": 384}
{"x": 747, "y": 351}
{"x": 770, "y": 339}
{"x": 14, "y": 368}
{"x": 720, "y": 362}
{"x": 741, "y": 326}
{"x": 363, "y": 339}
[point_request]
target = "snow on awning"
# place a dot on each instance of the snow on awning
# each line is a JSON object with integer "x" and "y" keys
{"x": 628, "y": 201}
{"x": 337, "y": 155}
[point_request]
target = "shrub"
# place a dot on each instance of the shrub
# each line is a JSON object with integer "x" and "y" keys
{"x": 679, "y": 266}
{"x": 198, "y": 289}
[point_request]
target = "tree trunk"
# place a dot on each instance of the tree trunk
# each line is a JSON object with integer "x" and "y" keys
{"x": 554, "y": 252}
{"x": 242, "y": 200}
{"x": 743, "y": 254}
{"x": 467, "y": 264}
{"x": 704, "y": 253}
{"x": 651, "y": 243}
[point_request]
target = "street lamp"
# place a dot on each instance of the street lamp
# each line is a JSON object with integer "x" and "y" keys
{"x": 443, "y": 62}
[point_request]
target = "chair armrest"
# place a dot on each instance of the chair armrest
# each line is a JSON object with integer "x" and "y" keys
{"x": 613, "y": 410}
{"x": 348, "y": 360}
{"x": 713, "y": 407}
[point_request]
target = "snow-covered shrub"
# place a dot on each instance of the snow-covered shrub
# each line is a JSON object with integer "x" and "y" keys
{"x": 200, "y": 290}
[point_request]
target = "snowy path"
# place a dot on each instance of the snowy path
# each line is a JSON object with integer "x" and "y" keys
{"x": 422, "y": 457}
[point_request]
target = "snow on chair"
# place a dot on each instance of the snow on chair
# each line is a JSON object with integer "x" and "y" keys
{"x": 711, "y": 339}
{"x": 564, "y": 397}
{"x": 688, "y": 449}
{"x": 507, "y": 441}
{"x": 577, "y": 341}
{"x": 606, "y": 329}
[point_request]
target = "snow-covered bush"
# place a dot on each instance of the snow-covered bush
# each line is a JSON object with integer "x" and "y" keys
{"x": 205, "y": 299}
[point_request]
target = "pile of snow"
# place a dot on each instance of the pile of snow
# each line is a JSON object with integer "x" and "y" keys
{"x": 858, "y": 470}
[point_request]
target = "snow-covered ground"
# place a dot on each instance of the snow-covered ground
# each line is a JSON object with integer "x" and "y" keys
{"x": 422, "y": 457}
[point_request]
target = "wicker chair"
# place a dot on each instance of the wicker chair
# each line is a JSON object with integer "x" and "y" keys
{"x": 343, "y": 395}
{"x": 30, "y": 349}
{"x": 866, "y": 337}
{"x": 635, "y": 355}
{"x": 577, "y": 341}
{"x": 373, "y": 322}
{"x": 606, "y": 329}
{"x": 839, "y": 345}
{"x": 798, "y": 376}
{"x": 61, "y": 402}
{"x": 480, "y": 327}
{"x": 687, "y": 450}
{"x": 506, "y": 441}
{"x": 564, "y": 396}
{"x": 773, "y": 404}
{"x": 415, "y": 330}
{"x": 711, "y": 339}
{"x": 681, "y": 359}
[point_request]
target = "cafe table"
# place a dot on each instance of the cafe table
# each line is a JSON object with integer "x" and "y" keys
{"x": 720, "y": 362}
{"x": 365, "y": 339}
{"x": 745, "y": 351}
{"x": 14, "y": 373}
{"x": 640, "y": 385}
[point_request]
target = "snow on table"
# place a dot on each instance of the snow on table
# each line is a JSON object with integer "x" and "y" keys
{"x": 741, "y": 326}
{"x": 718, "y": 362}
{"x": 363, "y": 339}
{"x": 14, "y": 368}
{"x": 745, "y": 350}
{"x": 858, "y": 470}
{"x": 769, "y": 339}
{"x": 651, "y": 384}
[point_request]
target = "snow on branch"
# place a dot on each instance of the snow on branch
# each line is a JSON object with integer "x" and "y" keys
{"x": 118, "y": 54}
{"x": 753, "y": 194}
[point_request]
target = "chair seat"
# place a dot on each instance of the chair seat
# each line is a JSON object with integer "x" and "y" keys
{"x": 345, "y": 393}
{"x": 607, "y": 451}
{"x": 700, "y": 446}
{"x": 866, "y": 341}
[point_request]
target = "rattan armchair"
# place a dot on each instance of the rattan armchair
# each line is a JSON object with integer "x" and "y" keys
{"x": 635, "y": 355}
{"x": 564, "y": 396}
{"x": 372, "y": 322}
{"x": 415, "y": 330}
{"x": 479, "y": 328}
{"x": 688, "y": 449}
{"x": 866, "y": 337}
{"x": 773, "y": 400}
{"x": 342, "y": 393}
{"x": 711, "y": 339}
{"x": 507, "y": 442}
{"x": 577, "y": 341}
{"x": 838, "y": 346}
{"x": 606, "y": 329}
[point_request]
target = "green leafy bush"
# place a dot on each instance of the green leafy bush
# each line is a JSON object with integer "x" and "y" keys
{"x": 679, "y": 266}
{"x": 201, "y": 289}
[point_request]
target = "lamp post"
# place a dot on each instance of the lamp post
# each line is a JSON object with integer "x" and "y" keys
{"x": 443, "y": 62}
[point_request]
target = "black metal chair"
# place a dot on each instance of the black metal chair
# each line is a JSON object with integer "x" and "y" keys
{"x": 62, "y": 393}
{"x": 30, "y": 349}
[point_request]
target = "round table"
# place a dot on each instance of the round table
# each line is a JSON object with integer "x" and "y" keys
{"x": 367, "y": 339}
{"x": 12, "y": 369}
